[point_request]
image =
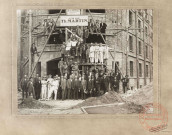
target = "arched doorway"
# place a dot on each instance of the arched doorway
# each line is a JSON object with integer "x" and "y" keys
{"x": 52, "y": 67}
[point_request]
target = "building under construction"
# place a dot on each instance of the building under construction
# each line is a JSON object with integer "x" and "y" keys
{"x": 129, "y": 35}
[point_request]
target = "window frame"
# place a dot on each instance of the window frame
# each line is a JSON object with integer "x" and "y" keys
{"x": 131, "y": 69}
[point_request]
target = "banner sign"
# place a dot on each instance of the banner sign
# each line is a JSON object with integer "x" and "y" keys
{"x": 74, "y": 20}
{"x": 73, "y": 11}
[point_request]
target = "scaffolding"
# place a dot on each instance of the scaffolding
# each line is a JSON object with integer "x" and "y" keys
{"x": 51, "y": 29}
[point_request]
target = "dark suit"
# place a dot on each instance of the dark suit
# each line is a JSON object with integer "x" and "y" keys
{"x": 69, "y": 83}
{"x": 83, "y": 87}
{"x": 90, "y": 87}
{"x": 30, "y": 88}
{"x": 24, "y": 87}
{"x": 63, "y": 86}
{"x": 76, "y": 88}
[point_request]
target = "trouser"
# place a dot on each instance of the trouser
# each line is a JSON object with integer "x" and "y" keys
{"x": 64, "y": 94}
{"x": 49, "y": 93}
{"x": 124, "y": 88}
{"x": 44, "y": 92}
{"x": 87, "y": 58}
{"x": 76, "y": 93}
{"x": 37, "y": 92}
{"x": 97, "y": 89}
{"x": 83, "y": 95}
{"x": 101, "y": 57}
{"x": 69, "y": 93}
{"x": 61, "y": 71}
{"x": 83, "y": 57}
{"x": 92, "y": 59}
{"x": 96, "y": 57}
{"x": 33, "y": 93}
{"x": 24, "y": 91}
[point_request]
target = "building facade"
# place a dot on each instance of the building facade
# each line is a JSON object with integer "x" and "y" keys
{"x": 129, "y": 34}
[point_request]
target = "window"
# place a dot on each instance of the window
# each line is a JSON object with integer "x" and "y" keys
{"x": 139, "y": 25}
{"x": 146, "y": 31}
{"x": 146, "y": 51}
{"x": 140, "y": 48}
{"x": 131, "y": 68}
{"x": 147, "y": 70}
{"x": 96, "y": 10}
{"x": 56, "y": 11}
{"x": 130, "y": 43}
{"x": 140, "y": 70}
{"x": 130, "y": 18}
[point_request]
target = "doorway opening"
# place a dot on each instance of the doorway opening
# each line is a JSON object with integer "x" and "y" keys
{"x": 52, "y": 67}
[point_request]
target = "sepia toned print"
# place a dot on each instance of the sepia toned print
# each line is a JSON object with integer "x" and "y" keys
{"x": 84, "y": 61}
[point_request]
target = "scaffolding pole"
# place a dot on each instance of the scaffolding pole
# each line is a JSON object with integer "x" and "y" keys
{"x": 30, "y": 41}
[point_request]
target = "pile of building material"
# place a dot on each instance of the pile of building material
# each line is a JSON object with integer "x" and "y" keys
{"x": 108, "y": 98}
{"x": 141, "y": 96}
{"x": 33, "y": 104}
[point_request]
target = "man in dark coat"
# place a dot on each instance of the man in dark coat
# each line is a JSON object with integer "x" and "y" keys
{"x": 106, "y": 83}
{"x": 115, "y": 85}
{"x": 125, "y": 81}
{"x": 30, "y": 88}
{"x": 23, "y": 84}
{"x": 36, "y": 86}
{"x": 97, "y": 84}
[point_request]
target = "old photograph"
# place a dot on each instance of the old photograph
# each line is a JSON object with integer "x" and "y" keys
{"x": 84, "y": 61}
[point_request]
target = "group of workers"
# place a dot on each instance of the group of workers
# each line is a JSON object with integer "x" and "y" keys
{"x": 75, "y": 86}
